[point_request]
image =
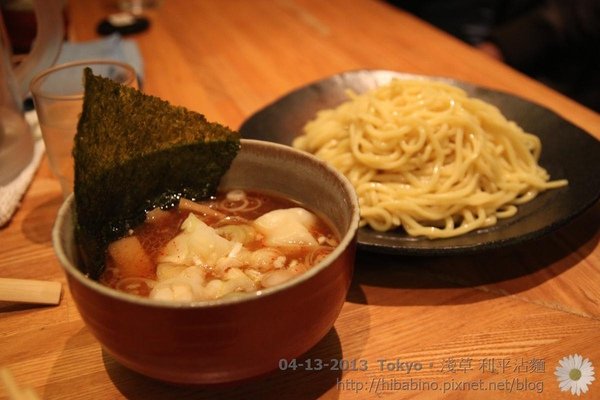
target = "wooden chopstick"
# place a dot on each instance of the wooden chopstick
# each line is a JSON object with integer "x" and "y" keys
{"x": 13, "y": 390}
{"x": 30, "y": 291}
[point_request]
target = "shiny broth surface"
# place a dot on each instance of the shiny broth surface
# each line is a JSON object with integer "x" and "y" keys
{"x": 238, "y": 242}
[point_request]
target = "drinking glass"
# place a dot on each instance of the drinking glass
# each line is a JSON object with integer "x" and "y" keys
{"x": 58, "y": 97}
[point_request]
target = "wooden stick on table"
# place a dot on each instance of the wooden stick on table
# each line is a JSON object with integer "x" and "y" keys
{"x": 14, "y": 391}
{"x": 30, "y": 291}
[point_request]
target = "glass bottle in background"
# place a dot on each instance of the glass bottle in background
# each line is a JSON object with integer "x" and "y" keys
{"x": 16, "y": 142}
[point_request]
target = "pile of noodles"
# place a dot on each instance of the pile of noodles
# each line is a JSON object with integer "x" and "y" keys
{"x": 424, "y": 156}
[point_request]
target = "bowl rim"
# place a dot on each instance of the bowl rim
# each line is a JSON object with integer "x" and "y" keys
{"x": 67, "y": 208}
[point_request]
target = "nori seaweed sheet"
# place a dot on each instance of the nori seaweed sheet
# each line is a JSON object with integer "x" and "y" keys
{"x": 133, "y": 152}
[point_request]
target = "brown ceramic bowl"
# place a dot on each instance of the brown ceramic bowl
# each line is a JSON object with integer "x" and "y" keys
{"x": 228, "y": 340}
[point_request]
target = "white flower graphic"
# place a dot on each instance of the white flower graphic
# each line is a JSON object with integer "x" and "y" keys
{"x": 575, "y": 374}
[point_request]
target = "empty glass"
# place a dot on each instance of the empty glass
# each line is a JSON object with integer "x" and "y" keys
{"x": 58, "y": 97}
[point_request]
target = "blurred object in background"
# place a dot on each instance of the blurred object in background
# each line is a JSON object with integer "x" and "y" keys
{"x": 137, "y": 6}
{"x": 20, "y": 150}
{"x": 20, "y": 25}
{"x": 553, "y": 41}
{"x": 123, "y": 23}
{"x": 470, "y": 20}
{"x": 19, "y": 21}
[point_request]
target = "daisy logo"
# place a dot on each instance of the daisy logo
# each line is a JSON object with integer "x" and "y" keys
{"x": 574, "y": 373}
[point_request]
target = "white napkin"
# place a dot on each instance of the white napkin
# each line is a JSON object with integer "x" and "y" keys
{"x": 12, "y": 192}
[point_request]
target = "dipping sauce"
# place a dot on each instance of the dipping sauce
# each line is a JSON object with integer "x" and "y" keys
{"x": 238, "y": 242}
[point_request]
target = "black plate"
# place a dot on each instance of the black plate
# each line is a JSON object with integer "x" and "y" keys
{"x": 567, "y": 152}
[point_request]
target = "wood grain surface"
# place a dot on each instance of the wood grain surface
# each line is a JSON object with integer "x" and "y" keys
{"x": 486, "y": 326}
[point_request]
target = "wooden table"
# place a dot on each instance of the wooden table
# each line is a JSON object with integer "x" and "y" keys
{"x": 501, "y": 318}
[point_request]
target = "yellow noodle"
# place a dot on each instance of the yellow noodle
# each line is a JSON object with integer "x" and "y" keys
{"x": 424, "y": 156}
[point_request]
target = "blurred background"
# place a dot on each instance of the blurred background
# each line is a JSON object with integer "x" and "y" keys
{"x": 554, "y": 41}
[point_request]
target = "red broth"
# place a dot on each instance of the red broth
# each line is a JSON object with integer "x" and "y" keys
{"x": 169, "y": 256}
